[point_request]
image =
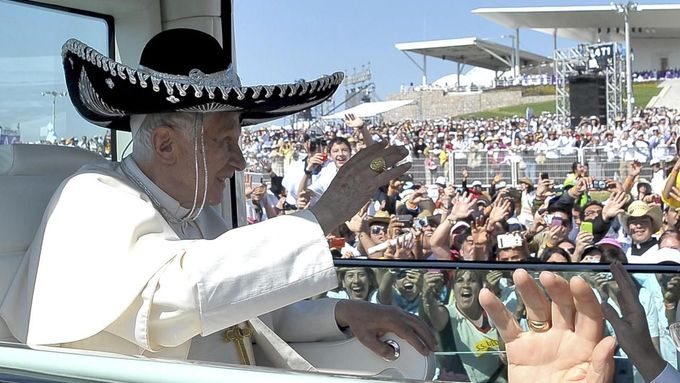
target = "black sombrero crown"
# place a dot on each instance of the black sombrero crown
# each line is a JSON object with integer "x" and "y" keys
{"x": 181, "y": 70}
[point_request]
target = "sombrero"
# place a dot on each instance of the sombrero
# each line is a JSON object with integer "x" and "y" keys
{"x": 180, "y": 70}
{"x": 642, "y": 209}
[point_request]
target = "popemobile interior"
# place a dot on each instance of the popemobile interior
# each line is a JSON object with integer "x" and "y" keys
{"x": 38, "y": 152}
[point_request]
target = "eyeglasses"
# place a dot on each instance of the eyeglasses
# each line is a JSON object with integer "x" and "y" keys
{"x": 378, "y": 229}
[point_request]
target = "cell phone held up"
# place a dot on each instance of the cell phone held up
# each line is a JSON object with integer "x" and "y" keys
{"x": 544, "y": 176}
{"x": 405, "y": 219}
{"x": 587, "y": 227}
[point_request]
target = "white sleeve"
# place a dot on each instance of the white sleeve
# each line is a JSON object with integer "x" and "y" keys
{"x": 243, "y": 273}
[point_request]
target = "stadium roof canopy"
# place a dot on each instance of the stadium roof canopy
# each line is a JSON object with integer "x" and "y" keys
{"x": 473, "y": 51}
{"x": 591, "y": 23}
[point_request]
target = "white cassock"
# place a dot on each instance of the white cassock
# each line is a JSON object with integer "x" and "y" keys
{"x": 108, "y": 272}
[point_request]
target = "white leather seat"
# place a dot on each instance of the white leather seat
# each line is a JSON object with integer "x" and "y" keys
{"x": 29, "y": 175}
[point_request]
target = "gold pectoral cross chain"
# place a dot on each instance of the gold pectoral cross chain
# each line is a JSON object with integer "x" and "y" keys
{"x": 236, "y": 334}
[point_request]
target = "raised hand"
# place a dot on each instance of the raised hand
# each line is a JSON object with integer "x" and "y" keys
{"x": 356, "y": 181}
{"x": 634, "y": 169}
{"x": 462, "y": 207}
{"x": 248, "y": 184}
{"x": 631, "y": 329}
{"x": 566, "y": 344}
{"x": 353, "y": 121}
{"x": 501, "y": 208}
{"x": 617, "y": 201}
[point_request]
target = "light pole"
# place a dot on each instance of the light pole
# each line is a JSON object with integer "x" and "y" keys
{"x": 54, "y": 95}
{"x": 515, "y": 54}
{"x": 626, "y": 9}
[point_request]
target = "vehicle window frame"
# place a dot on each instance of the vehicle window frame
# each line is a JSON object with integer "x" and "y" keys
{"x": 110, "y": 38}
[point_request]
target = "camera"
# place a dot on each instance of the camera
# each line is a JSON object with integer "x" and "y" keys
{"x": 406, "y": 219}
{"x": 316, "y": 140}
{"x": 599, "y": 184}
{"x": 420, "y": 223}
{"x": 508, "y": 241}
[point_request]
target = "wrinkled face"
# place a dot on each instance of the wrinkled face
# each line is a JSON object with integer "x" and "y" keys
{"x": 223, "y": 158}
{"x": 466, "y": 288}
{"x": 357, "y": 283}
{"x": 339, "y": 154}
{"x": 409, "y": 283}
{"x": 640, "y": 229}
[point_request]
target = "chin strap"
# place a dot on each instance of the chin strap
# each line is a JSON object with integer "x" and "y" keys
{"x": 198, "y": 136}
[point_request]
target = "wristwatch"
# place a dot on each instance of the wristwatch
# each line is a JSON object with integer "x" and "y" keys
{"x": 451, "y": 221}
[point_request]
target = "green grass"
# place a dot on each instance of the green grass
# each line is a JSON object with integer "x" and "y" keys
{"x": 643, "y": 92}
{"x": 516, "y": 110}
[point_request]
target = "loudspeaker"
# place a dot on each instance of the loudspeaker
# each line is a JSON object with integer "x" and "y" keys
{"x": 587, "y": 97}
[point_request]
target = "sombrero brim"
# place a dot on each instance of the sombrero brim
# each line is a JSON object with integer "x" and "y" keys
{"x": 654, "y": 213}
{"x": 106, "y": 92}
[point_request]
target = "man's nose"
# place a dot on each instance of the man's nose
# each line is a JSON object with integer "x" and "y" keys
{"x": 239, "y": 162}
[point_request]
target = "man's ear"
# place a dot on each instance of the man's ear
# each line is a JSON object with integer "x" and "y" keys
{"x": 165, "y": 145}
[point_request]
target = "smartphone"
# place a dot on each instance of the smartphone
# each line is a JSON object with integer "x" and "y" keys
{"x": 587, "y": 227}
{"x": 508, "y": 241}
{"x": 336, "y": 243}
{"x": 544, "y": 176}
{"x": 556, "y": 221}
{"x": 406, "y": 219}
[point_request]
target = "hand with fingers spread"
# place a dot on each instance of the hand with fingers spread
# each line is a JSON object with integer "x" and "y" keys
{"x": 462, "y": 207}
{"x": 356, "y": 181}
{"x": 368, "y": 322}
{"x": 501, "y": 208}
{"x": 617, "y": 201}
{"x": 353, "y": 121}
{"x": 631, "y": 328}
{"x": 564, "y": 343}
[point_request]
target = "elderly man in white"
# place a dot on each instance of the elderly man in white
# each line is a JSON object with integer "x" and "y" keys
{"x": 153, "y": 270}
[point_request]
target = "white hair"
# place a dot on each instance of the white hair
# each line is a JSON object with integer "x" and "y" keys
{"x": 143, "y": 125}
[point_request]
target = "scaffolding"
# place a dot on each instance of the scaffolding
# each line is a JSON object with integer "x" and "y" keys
{"x": 574, "y": 61}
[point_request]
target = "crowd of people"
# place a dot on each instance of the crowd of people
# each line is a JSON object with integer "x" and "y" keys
{"x": 575, "y": 221}
{"x": 540, "y": 144}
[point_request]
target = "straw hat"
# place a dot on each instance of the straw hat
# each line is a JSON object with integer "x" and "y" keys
{"x": 380, "y": 216}
{"x": 642, "y": 209}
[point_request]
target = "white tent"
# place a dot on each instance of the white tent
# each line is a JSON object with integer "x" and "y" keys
{"x": 369, "y": 109}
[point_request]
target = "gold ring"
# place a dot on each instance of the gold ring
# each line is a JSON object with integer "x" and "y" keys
{"x": 538, "y": 325}
{"x": 377, "y": 164}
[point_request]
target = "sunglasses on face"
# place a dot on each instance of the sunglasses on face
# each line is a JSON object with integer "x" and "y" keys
{"x": 378, "y": 229}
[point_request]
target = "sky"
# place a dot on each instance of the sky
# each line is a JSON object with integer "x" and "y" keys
{"x": 280, "y": 41}
{"x": 277, "y": 41}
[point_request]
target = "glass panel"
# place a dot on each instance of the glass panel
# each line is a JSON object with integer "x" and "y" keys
{"x": 34, "y": 105}
{"x": 470, "y": 348}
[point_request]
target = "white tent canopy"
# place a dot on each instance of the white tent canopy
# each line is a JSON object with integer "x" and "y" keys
{"x": 369, "y": 109}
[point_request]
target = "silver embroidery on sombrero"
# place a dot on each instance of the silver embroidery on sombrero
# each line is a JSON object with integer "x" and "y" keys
{"x": 226, "y": 81}
{"x": 210, "y": 107}
{"x": 89, "y": 97}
